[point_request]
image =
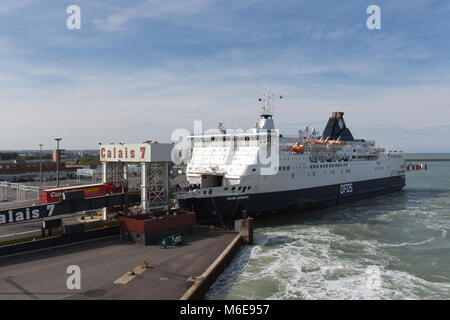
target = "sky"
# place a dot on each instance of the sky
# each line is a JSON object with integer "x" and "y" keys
{"x": 139, "y": 69}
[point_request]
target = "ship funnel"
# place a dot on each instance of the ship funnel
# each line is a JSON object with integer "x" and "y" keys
{"x": 336, "y": 128}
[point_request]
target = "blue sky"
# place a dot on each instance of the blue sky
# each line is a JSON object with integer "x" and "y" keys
{"x": 139, "y": 69}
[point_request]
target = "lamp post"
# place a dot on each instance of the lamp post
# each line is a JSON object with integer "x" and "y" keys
{"x": 57, "y": 161}
{"x": 40, "y": 161}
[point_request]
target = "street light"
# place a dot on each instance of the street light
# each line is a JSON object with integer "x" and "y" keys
{"x": 57, "y": 161}
{"x": 40, "y": 161}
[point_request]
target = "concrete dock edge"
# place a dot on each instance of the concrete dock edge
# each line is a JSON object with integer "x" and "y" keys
{"x": 202, "y": 283}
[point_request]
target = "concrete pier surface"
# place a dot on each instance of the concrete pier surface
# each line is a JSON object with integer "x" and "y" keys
{"x": 105, "y": 267}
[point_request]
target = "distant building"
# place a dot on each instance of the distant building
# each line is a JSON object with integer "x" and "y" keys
{"x": 18, "y": 171}
{"x": 89, "y": 173}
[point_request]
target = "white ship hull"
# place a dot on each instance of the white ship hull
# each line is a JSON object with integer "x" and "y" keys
{"x": 301, "y": 187}
{"x": 227, "y": 176}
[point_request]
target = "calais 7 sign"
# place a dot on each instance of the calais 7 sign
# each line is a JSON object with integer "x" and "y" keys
{"x": 125, "y": 152}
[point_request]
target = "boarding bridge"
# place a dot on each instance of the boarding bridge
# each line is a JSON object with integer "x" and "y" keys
{"x": 154, "y": 159}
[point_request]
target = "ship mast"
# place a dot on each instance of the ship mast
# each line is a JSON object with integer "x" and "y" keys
{"x": 266, "y": 121}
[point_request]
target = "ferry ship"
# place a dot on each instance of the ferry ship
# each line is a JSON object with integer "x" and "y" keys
{"x": 261, "y": 170}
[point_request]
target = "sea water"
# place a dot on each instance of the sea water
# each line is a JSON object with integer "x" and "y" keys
{"x": 395, "y": 246}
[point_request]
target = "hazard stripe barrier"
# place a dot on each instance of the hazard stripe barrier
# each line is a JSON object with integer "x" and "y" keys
{"x": 101, "y": 225}
{"x": 87, "y": 227}
{"x": 27, "y": 239}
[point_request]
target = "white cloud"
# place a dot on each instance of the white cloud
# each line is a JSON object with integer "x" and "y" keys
{"x": 121, "y": 100}
{"x": 104, "y": 105}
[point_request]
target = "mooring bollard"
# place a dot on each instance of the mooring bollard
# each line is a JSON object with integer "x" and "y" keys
{"x": 250, "y": 231}
{"x": 245, "y": 229}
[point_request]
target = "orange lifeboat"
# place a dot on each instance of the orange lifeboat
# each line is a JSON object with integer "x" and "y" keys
{"x": 336, "y": 143}
{"x": 333, "y": 145}
{"x": 298, "y": 149}
{"x": 317, "y": 145}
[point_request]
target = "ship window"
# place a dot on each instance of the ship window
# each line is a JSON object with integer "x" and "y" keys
{"x": 234, "y": 188}
{"x": 225, "y": 189}
{"x": 210, "y": 191}
{"x": 288, "y": 168}
{"x": 249, "y": 187}
{"x": 253, "y": 169}
{"x": 243, "y": 189}
{"x": 239, "y": 188}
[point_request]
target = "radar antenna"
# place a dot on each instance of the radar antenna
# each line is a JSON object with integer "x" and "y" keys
{"x": 269, "y": 99}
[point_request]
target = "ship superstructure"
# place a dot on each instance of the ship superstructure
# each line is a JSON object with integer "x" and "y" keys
{"x": 261, "y": 170}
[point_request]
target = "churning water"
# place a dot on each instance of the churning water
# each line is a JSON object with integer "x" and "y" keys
{"x": 391, "y": 247}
